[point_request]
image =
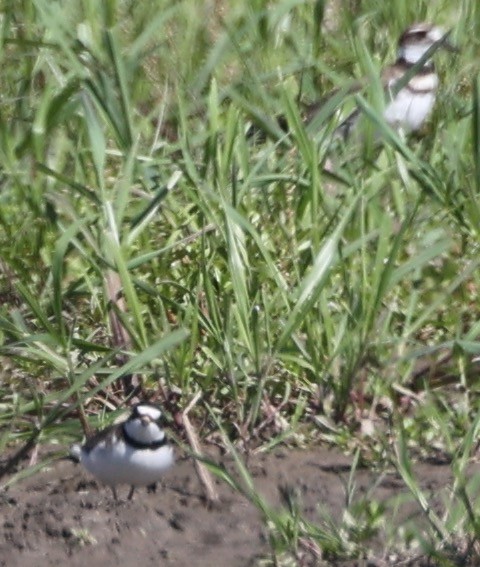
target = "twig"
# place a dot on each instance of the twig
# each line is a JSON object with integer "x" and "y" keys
{"x": 204, "y": 476}
{"x": 20, "y": 454}
{"x": 120, "y": 338}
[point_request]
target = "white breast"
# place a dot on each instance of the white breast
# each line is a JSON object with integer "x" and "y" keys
{"x": 119, "y": 463}
{"x": 410, "y": 108}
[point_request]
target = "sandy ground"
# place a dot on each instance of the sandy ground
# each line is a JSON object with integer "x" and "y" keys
{"x": 61, "y": 516}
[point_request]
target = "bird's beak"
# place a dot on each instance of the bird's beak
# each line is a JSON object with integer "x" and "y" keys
{"x": 450, "y": 47}
{"x": 447, "y": 44}
{"x": 145, "y": 420}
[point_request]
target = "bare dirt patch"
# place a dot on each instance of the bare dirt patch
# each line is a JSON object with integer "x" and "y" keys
{"x": 61, "y": 515}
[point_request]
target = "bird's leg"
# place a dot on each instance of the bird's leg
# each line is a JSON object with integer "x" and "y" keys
{"x": 115, "y": 497}
{"x": 130, "y": 494}
{"x": 152, "y": 488}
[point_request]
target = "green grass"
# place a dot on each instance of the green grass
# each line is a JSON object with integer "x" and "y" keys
{"x": 248, "y": 271}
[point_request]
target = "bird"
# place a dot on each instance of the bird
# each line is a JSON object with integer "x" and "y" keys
{"x": 407, "y": 105}
{"x": 135, "y": 451}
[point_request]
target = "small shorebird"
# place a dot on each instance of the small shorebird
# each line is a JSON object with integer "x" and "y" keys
{"x": 408, "y": 105}
{"x": 134, "y": 452}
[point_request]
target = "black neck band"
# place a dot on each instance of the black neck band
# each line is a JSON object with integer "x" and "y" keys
{"x": 426, "y": 68}
{"x": 138, "y": 445}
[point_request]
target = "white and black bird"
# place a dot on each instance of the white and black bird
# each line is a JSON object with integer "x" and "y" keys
{"x": 135, "y": 451}
{"x": 408, "y": 105}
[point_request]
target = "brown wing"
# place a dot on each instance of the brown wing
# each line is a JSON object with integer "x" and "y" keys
{"x": 333, "y": 98}
{"x": 100, "y": 436}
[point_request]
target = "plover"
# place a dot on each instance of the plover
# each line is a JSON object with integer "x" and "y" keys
{"x": 135, "y": 451}
{"x": 406, "y": 106}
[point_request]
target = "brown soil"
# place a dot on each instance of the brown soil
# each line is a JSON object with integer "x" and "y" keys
{"x": 60, "y": 516}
